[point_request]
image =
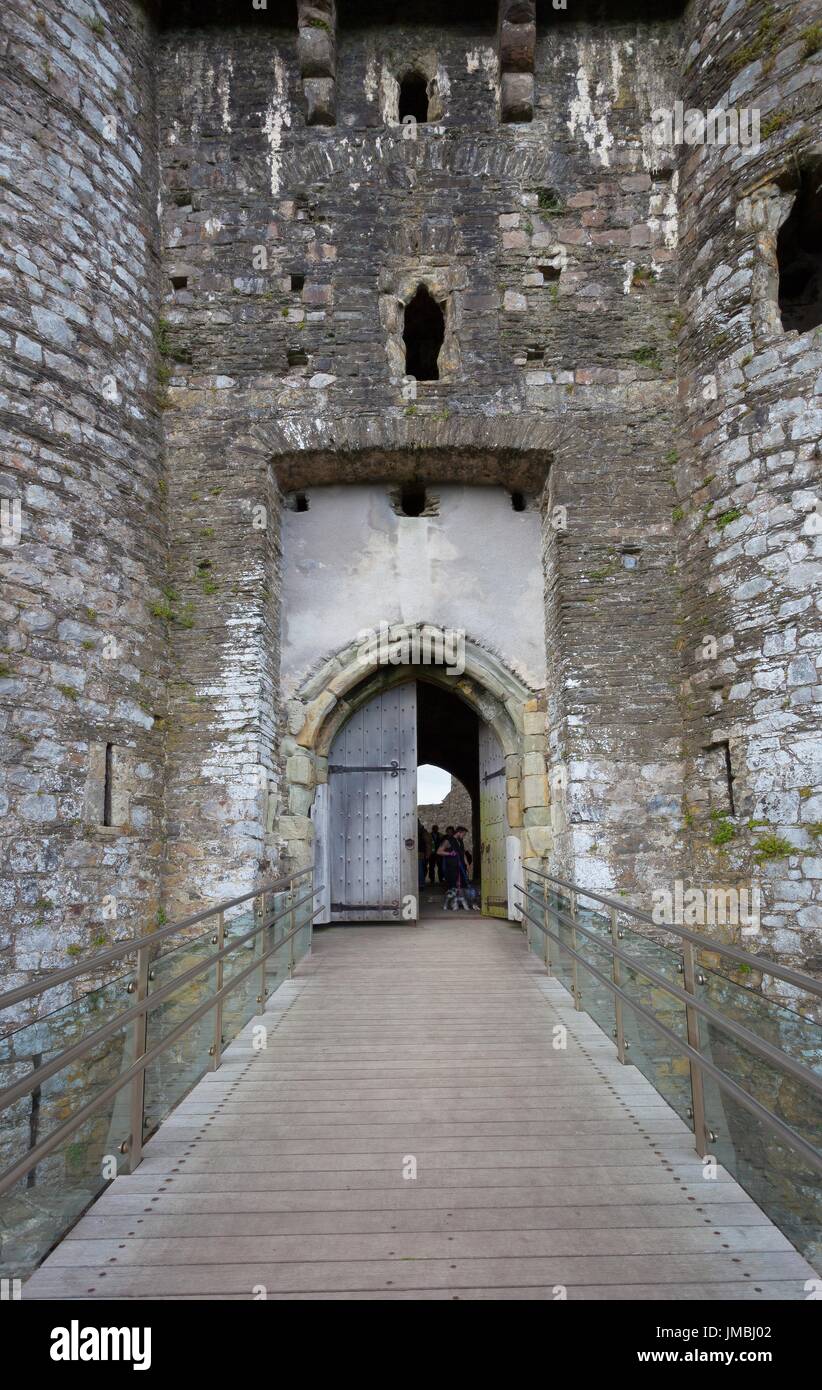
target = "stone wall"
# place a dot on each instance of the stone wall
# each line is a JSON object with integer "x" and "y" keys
{"x": 455, "y": 809}
{"x": 627, "y": 374}
{"x": 289, "y": 250}
{"x": 749, "y": 535}
{"x": 83, "y": 659}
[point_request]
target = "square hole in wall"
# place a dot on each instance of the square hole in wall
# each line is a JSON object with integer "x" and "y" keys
{"x": 716, "y": 770}
{"x": 297, "y": 282}
{"x": 414, "y": 499}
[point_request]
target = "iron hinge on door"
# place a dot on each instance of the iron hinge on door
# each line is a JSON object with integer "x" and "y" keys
{"x": 365, "y": 907}
{"x": 489, "y": 776}
{"x": 392, "y": 767}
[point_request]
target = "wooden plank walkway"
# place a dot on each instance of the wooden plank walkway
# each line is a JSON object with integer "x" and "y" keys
{"x": 537, "y": 1170}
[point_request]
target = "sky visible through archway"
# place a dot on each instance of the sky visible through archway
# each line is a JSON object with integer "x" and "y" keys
{"x": 433, "y": 785}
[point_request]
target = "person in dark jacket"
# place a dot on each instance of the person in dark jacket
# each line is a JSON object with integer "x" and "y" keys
{"x": 452, "y": 851}
{"x": 435, "y": 864}
{"x": 423, "y": 850}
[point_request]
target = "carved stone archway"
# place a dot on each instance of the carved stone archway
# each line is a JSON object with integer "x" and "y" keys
{"x": 353, "y": 676}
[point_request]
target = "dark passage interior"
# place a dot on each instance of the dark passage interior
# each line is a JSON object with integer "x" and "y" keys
{"x": 448, "y": 737}
{"x": 799, "y": 252}
{"x": 414, "y": 98}
{"x": 423, "y": 334}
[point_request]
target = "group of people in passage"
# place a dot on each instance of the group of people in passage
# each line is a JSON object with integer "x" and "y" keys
{"x": 445, "y": 859}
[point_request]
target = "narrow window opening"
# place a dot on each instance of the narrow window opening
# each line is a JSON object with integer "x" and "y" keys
{"x": 423, "y": 335}
{"x": 518, "y": 501}
{"x": 534, "y": 354}
{"x": 107, "y": 786}
{"x": 413, "y": 500}
{"x": 720, "y": 774}
{"x": 550, "y": 273}
{"x": 414, "y": 97}
{"x": 729, "y": 774}
{"x": 179, "y": 282}
{"x": 297, "y": 282}
{"x": 297, "y": 357}
{"x": 298, "y": 502}
{"x": 799, "y": 254}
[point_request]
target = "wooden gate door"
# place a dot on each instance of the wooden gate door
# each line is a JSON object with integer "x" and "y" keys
{"x": 493, "y": 823}
{"x": 372, "y": 841}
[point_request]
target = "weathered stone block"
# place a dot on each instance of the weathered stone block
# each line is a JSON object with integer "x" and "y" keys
{"x": 517, "y": 96}
{"x": 299, "y": 768}
{"x": 316, "y": 51}
{"x": 516, "y": 47}
{"x": 533, "y": 765}
{"x": 320, "y": 101}
{"x": 534, "y": 791}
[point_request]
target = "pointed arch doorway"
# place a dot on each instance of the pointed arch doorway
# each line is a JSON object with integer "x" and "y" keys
{"x": 366, "y": 817}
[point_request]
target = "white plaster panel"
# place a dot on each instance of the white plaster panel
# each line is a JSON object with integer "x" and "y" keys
{"x": 350, "y": 563}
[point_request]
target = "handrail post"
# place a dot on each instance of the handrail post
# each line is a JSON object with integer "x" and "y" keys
{"x": 138, "y": 1085}
{"x": 292, "y": 924}
{"x": 697, "y": 1083}
{"x": 218, "y": 940}
{"x": 311, "y": 914}
{"x": 619, "y": 1031}
{"x": 547, "y": 941}
{"x": 572, "y": 903}
{"x": 259, "y": 946}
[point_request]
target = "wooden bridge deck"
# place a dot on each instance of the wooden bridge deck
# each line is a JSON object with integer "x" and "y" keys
{"x": 537, "y": 1170}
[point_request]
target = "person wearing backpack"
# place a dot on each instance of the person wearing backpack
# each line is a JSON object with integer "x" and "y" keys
{"x": 452, "y": 851}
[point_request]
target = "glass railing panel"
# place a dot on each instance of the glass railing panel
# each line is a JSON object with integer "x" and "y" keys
{"x": 243, "y": 1001}
{"x": 775, "y": 1175}
{"x": 792, "y": 1033}
{"x": 277, "y": 963}
{"x": 179, "y": 1067}
{"x": 596, "y": 998}
{"x": 38, "y": 1209}
{"x": 650, "y": 1051}
{"x": 164, "y": 969}
{"x": 302, "y": 941}
{"x": 562, "y": 964}
{"x": 534, "y": 901}
{"x": 780, "y": 1180}
{"x": 798, "y": 1038}
{"x": 33, "y": 1045}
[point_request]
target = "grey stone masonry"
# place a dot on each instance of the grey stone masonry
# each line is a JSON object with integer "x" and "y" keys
{"x": 83, "y": 659}
{"x": 213, "y": 223}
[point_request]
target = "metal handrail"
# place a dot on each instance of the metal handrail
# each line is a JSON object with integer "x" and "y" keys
{"x": 737, "y": 1030}
{"x": 700, "y": 1065}
{"x": 125, "y": 948}
{"x": 74, "y": 1054}
{"x": 137, "y": 1012}
{"x": 761, "y": 963}
{"x": 722, "y": 1080}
